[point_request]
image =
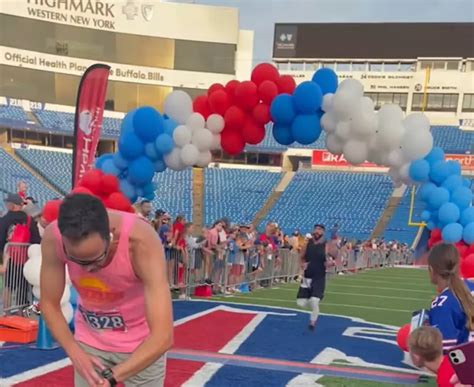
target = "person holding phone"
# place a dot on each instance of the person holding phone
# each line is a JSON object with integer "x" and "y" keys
{"x": 452, "y": 311}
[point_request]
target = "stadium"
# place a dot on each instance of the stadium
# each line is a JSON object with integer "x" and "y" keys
{"x": 238, "y": 323}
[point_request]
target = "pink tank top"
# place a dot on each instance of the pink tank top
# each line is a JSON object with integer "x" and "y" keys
{"x": 111, "y": 303}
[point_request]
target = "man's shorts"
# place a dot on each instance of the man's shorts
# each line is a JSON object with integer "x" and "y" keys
{"x": 153, "y": 376}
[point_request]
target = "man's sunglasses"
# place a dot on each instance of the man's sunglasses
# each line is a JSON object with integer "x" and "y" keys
{"x": 82, "y": 262}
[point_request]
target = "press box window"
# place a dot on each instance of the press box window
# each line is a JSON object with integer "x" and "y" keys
{"x": 436, "y": 102}
{"x": 468, "y": 103}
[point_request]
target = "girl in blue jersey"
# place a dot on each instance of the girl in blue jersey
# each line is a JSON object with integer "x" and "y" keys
{"x": 452, "y": 312}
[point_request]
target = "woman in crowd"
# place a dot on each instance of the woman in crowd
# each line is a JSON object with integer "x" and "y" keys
{"x": 452, "y": 312}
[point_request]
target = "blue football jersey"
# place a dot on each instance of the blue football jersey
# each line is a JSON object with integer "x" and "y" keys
{"x": 447, "y": 315}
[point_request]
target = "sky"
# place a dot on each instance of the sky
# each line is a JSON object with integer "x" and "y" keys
{"x": 261, "y": 15}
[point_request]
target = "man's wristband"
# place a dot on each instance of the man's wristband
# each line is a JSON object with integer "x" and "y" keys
{"x": 109, "y": 376}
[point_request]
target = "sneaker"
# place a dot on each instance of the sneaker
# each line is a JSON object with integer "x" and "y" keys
{"x": 208, "y": 281}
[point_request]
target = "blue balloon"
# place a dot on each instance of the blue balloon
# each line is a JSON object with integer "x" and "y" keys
{"x": 307, "y": 97}
{"x": 419, "y": 170}
{"x": 119, "y": 161}
{"x": 282, "y": 109}
{"x": 439, "y": 171}
{"x": 453, "y": 182}
{"x": 159, "y": 166}
{"x": 425, "y": 216}
{"x": 282, "y": 134}
{"x": 436, "y": 154}
{"x": 326, "y": 79}
{"x": 149, "y": 189}
{"x": 426, "y": 190}
{"x": 449, "y": 213}
{"x": 100, "y": 160}
{"x": 130, "y": 146}
{"x": 468, "y": 233}
{"x": 147, "y": 123}
{"x": 466, "y": 183}
{"x": 431, "y": 225}
{"x": 306, "y": 128}
{"x": 454, "y": 167}
{"x": 127, "y": 122}
{"x": 467, "y": 216}
{"x": 452, "y": 233}
{"x": 109, "y": 168}
{"x": 151, "y": 152}
{"x": 438, "y": 197}
{"x": 141, "y": 171}
{"x": 128, "y": 190}
{"x": 462, "y": 197}
{"x": 164, "y": 143}
{"x": 169, "y": 126}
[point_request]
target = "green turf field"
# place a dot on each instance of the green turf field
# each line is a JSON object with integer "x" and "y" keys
{"x": 387, "y": 296}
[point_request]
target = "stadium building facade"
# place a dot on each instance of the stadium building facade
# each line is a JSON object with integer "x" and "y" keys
{"x": 153, "y": 48}
{"x": 391, "y": 61}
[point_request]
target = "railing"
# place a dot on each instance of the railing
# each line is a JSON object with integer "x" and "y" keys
{"x": 16, "y": 292}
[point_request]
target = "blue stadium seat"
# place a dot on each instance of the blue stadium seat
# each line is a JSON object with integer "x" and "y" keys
{"x": 56, "y": 167}
{"x": 452, "y": 139}
{"x": 236, "y": 193}
{"x": 14, "y": 113}
{"x": 11, "y": 172}
{"x": 353, "y": 200}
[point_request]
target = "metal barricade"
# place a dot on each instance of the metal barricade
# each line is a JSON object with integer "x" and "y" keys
{"x": 16, "y": 292}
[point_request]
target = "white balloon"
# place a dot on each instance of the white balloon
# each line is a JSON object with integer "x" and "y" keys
{"x": 394, "y": 173}
{"x": 389, "y": 135}
{"x": 352, "y": 86}
{"x": 204, "y": 159}
{"x": 327, "y": 102}
{"x": 376, "y": 156}
{"x": 395, "y": 158}
{"x": 195, "y": 121}
{"x": 182, "y": 135}
{"x": 343, "y": 130}
{"x": 31, "y": 271}
{"x": 328, "y": 122}
{"x": 34, "y": 251}
{"x": 334, "y": 145}
{"x": 355, "y": 151}
{"x": 178, "y": 105}
{"x": 417, "y": 121}
{"x": 36, "y": 292}
{"x": 390, "y": 113}
{"x": 216, "y": 142}
{"x": 416, "y": 144}
{"x": 215, "y": 123}
{"x": 68, "y": 312}
{"x": 173, "y": 160}
{"x": 403, "y": 172}
{"x": 66, "y": 295}
{"x": 367, "y": 104}
{"x": 202, "y": 138}
{"x": 189, "y": 155}
{"x": 364, "y": 123}
{"x": 343, "y": 104}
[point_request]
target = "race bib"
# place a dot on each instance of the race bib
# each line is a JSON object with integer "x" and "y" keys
{"x": 110, "y": 320}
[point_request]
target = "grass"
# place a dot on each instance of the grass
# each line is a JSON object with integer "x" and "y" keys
{"x": 387, "y": 296}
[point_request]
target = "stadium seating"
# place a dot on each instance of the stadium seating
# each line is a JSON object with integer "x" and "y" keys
{"x": 174, "y": 192}
{"x": 452, "y": 139}
{"x": 11, "y": 172}
{"x": 353, "y": 200}
{"x": 236, "y": 193}
{"x": 56, "y": 167}
{"x": 14, "y": 113}
{"x": 398, "y": 228}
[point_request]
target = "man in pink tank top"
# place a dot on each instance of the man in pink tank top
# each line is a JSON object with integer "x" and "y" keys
{"x": 124, "y": 322}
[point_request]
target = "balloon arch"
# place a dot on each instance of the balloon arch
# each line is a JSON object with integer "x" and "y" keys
{"x": 230, "y": 116}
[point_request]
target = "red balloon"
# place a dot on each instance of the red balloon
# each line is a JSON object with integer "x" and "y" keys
{"x": 470, "y": 250}
{"x": 402, "y": 337}
{"x": 462, "y": 249}
{"x": 92, "y": 180}
{"x": 467, "y": 266}
{"x": 214, "y": 87}
{"x": 201, "y": 106}
{"x": 219, "y": 102}
{"x": 51, "y": 211}
{"x": 264, "y": 72}
{"x": 82, "y": 190}
{"x": 234, "y": 118}
{"x": 436, "y": 234}
{"x": 286, "y": 84}
{"x": 118, "y": 201}
{"x": 246, "y": 95}
{"x": 261, "y": 113}
{"x": 110, "y": 184}
{"x": 232, "y": 142}
{"x": 253, "y": 132}
{"x": 267, "y": 91}
{"x": 231, "y": 86}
